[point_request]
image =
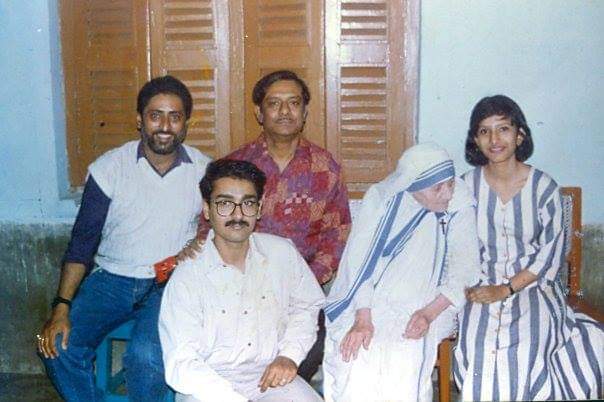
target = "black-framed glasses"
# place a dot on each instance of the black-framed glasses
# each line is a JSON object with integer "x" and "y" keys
{"x": 226, "y": 207}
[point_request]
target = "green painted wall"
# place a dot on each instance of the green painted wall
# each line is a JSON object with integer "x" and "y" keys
{"x": 30, "y": 258}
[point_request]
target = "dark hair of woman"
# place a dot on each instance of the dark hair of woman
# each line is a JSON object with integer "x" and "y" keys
{"x": 498, "y": 105}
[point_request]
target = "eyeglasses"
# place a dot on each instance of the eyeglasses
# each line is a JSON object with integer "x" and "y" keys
{"x": 226, "y": 208}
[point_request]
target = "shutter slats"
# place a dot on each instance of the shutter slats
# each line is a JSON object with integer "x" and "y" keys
{"x": 365, "y": 63}
{"x": 349, "y": 52}
{"x": 104, "y": 49}
{"x": 184, "y": 44}
{"x": 285, "y": 34}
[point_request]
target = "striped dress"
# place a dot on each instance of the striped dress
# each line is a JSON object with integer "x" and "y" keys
{"x": 530, "y": 346}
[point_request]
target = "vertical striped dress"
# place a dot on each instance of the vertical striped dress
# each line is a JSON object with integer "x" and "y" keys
{"x": 530, "y": 346}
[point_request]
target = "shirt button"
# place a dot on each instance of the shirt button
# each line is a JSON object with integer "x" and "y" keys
{"x": 263, "y": 297}
{"x": 223, "y": 311}
{"x": 249, "y": 344}
{"x": 245, "y": 312}
{"x": 493, "y": 352}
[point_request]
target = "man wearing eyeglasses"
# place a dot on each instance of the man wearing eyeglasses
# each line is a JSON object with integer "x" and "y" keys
{"x": 305, "y": 199}
{"x": 238, "y": 318}
{"x": 140, "y": 204}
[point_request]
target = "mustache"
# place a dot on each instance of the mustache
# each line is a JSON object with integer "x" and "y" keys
{"x": 163, "y": 132}
{"x": 234, "y": 222}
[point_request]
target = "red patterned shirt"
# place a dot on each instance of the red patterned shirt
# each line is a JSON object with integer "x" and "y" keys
{"x": 307, "y": 203}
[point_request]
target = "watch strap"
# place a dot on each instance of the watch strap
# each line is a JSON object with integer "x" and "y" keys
{"x": 58, "y": 300}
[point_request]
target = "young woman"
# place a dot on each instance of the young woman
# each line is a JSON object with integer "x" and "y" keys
{"x": 518, "y": 338}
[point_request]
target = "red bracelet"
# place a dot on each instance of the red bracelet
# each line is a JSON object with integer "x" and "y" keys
{"x": 164, "y": 268}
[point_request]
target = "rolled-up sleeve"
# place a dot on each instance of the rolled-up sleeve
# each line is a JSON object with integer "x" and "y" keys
{"x": 463, "y": 256}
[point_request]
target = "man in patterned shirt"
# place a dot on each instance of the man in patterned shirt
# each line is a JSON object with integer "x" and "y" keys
{"x": 305, "y": 197}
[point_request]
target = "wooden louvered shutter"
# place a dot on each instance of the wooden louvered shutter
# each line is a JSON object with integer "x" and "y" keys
{"x": 190, "y": 40}
{"x": 104, "y": 45}
{"x": 371, "y": 80}
{"x": 285, "y": 34}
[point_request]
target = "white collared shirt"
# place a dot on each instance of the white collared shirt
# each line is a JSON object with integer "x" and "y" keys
{"x": 220, "y": 328}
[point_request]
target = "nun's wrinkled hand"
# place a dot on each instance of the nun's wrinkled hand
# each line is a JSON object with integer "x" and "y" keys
{"x": 418, "y": 325}
{"x": 487, "y": 294}
{"x": 359, "y": 334}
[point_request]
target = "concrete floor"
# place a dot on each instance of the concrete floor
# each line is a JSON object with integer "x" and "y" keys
{"x": 27, "y": 388}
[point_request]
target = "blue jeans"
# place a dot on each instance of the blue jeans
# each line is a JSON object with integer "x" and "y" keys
{"x": 103, "y": 302}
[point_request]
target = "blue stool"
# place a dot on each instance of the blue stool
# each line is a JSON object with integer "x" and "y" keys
{"x": 104, "y": 379}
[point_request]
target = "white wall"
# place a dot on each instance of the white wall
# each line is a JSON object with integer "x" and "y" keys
{"x": 546, "y": 55}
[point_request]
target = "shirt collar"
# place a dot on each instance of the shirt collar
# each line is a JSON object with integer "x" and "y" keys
{"x": 181, "y": 157}
{"x": 181, "y": 154}
{"x": 302, "y": 149}
{"x": 255, "y": 256}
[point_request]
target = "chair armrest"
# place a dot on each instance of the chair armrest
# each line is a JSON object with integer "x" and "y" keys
{"x": 579, "y": 305}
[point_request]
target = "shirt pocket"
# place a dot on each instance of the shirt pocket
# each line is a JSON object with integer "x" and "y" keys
{"x": 225, "y": 308}
{"x": 272, "y": 321}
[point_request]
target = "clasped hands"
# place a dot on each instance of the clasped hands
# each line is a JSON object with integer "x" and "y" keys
{"x": 362, "y": 331}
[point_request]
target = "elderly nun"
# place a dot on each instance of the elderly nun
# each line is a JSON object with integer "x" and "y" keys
{"x": 412, "y": 252}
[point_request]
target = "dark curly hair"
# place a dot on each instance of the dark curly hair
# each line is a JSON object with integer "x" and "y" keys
{"x": 282, "y": 75}
{"x": 235, "y": 169}
{"x": 164, "y": 85}
{"x": 498, "y": 105}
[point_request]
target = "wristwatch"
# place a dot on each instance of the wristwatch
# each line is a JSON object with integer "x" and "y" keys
{"x": 58, "y": 300}
{"x": 509, "y": 286}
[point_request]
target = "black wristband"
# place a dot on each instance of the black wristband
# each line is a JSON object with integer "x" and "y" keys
{"x": 58, "y": 300}
{"x": 512, "y": 291}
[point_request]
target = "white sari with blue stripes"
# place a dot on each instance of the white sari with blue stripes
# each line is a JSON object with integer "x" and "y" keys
{"x": 531, "y": 346}
{"x": 399, "y": 258}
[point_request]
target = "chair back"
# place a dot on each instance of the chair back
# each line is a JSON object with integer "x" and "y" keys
{"x": 573, "y": 237}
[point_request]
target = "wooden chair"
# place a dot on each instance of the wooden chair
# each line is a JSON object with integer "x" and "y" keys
{"x": 573, "y": 247}
{"x": 572, "y": 201}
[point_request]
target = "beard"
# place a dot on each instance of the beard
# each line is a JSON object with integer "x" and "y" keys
{"x": 159, "y": 147}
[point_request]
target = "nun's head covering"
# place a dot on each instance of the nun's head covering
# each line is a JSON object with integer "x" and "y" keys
{"x": 420, "y": 167}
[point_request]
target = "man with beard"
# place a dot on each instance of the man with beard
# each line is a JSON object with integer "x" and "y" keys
{"x": 140, "y": 204}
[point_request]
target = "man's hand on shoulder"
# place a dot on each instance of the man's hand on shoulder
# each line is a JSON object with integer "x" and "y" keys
{"x": 190, "y": 250}
{"x": 280, "y": 372}
{"x": 58, "y": 323}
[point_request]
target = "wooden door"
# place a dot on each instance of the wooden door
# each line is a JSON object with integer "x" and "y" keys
{"x": 285, "y": 34}
{"x": 190, "y": 40}
{"x": 371, "y": 85}
{"x": 358, "y": 57}
{"x": 104, "y": 45}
